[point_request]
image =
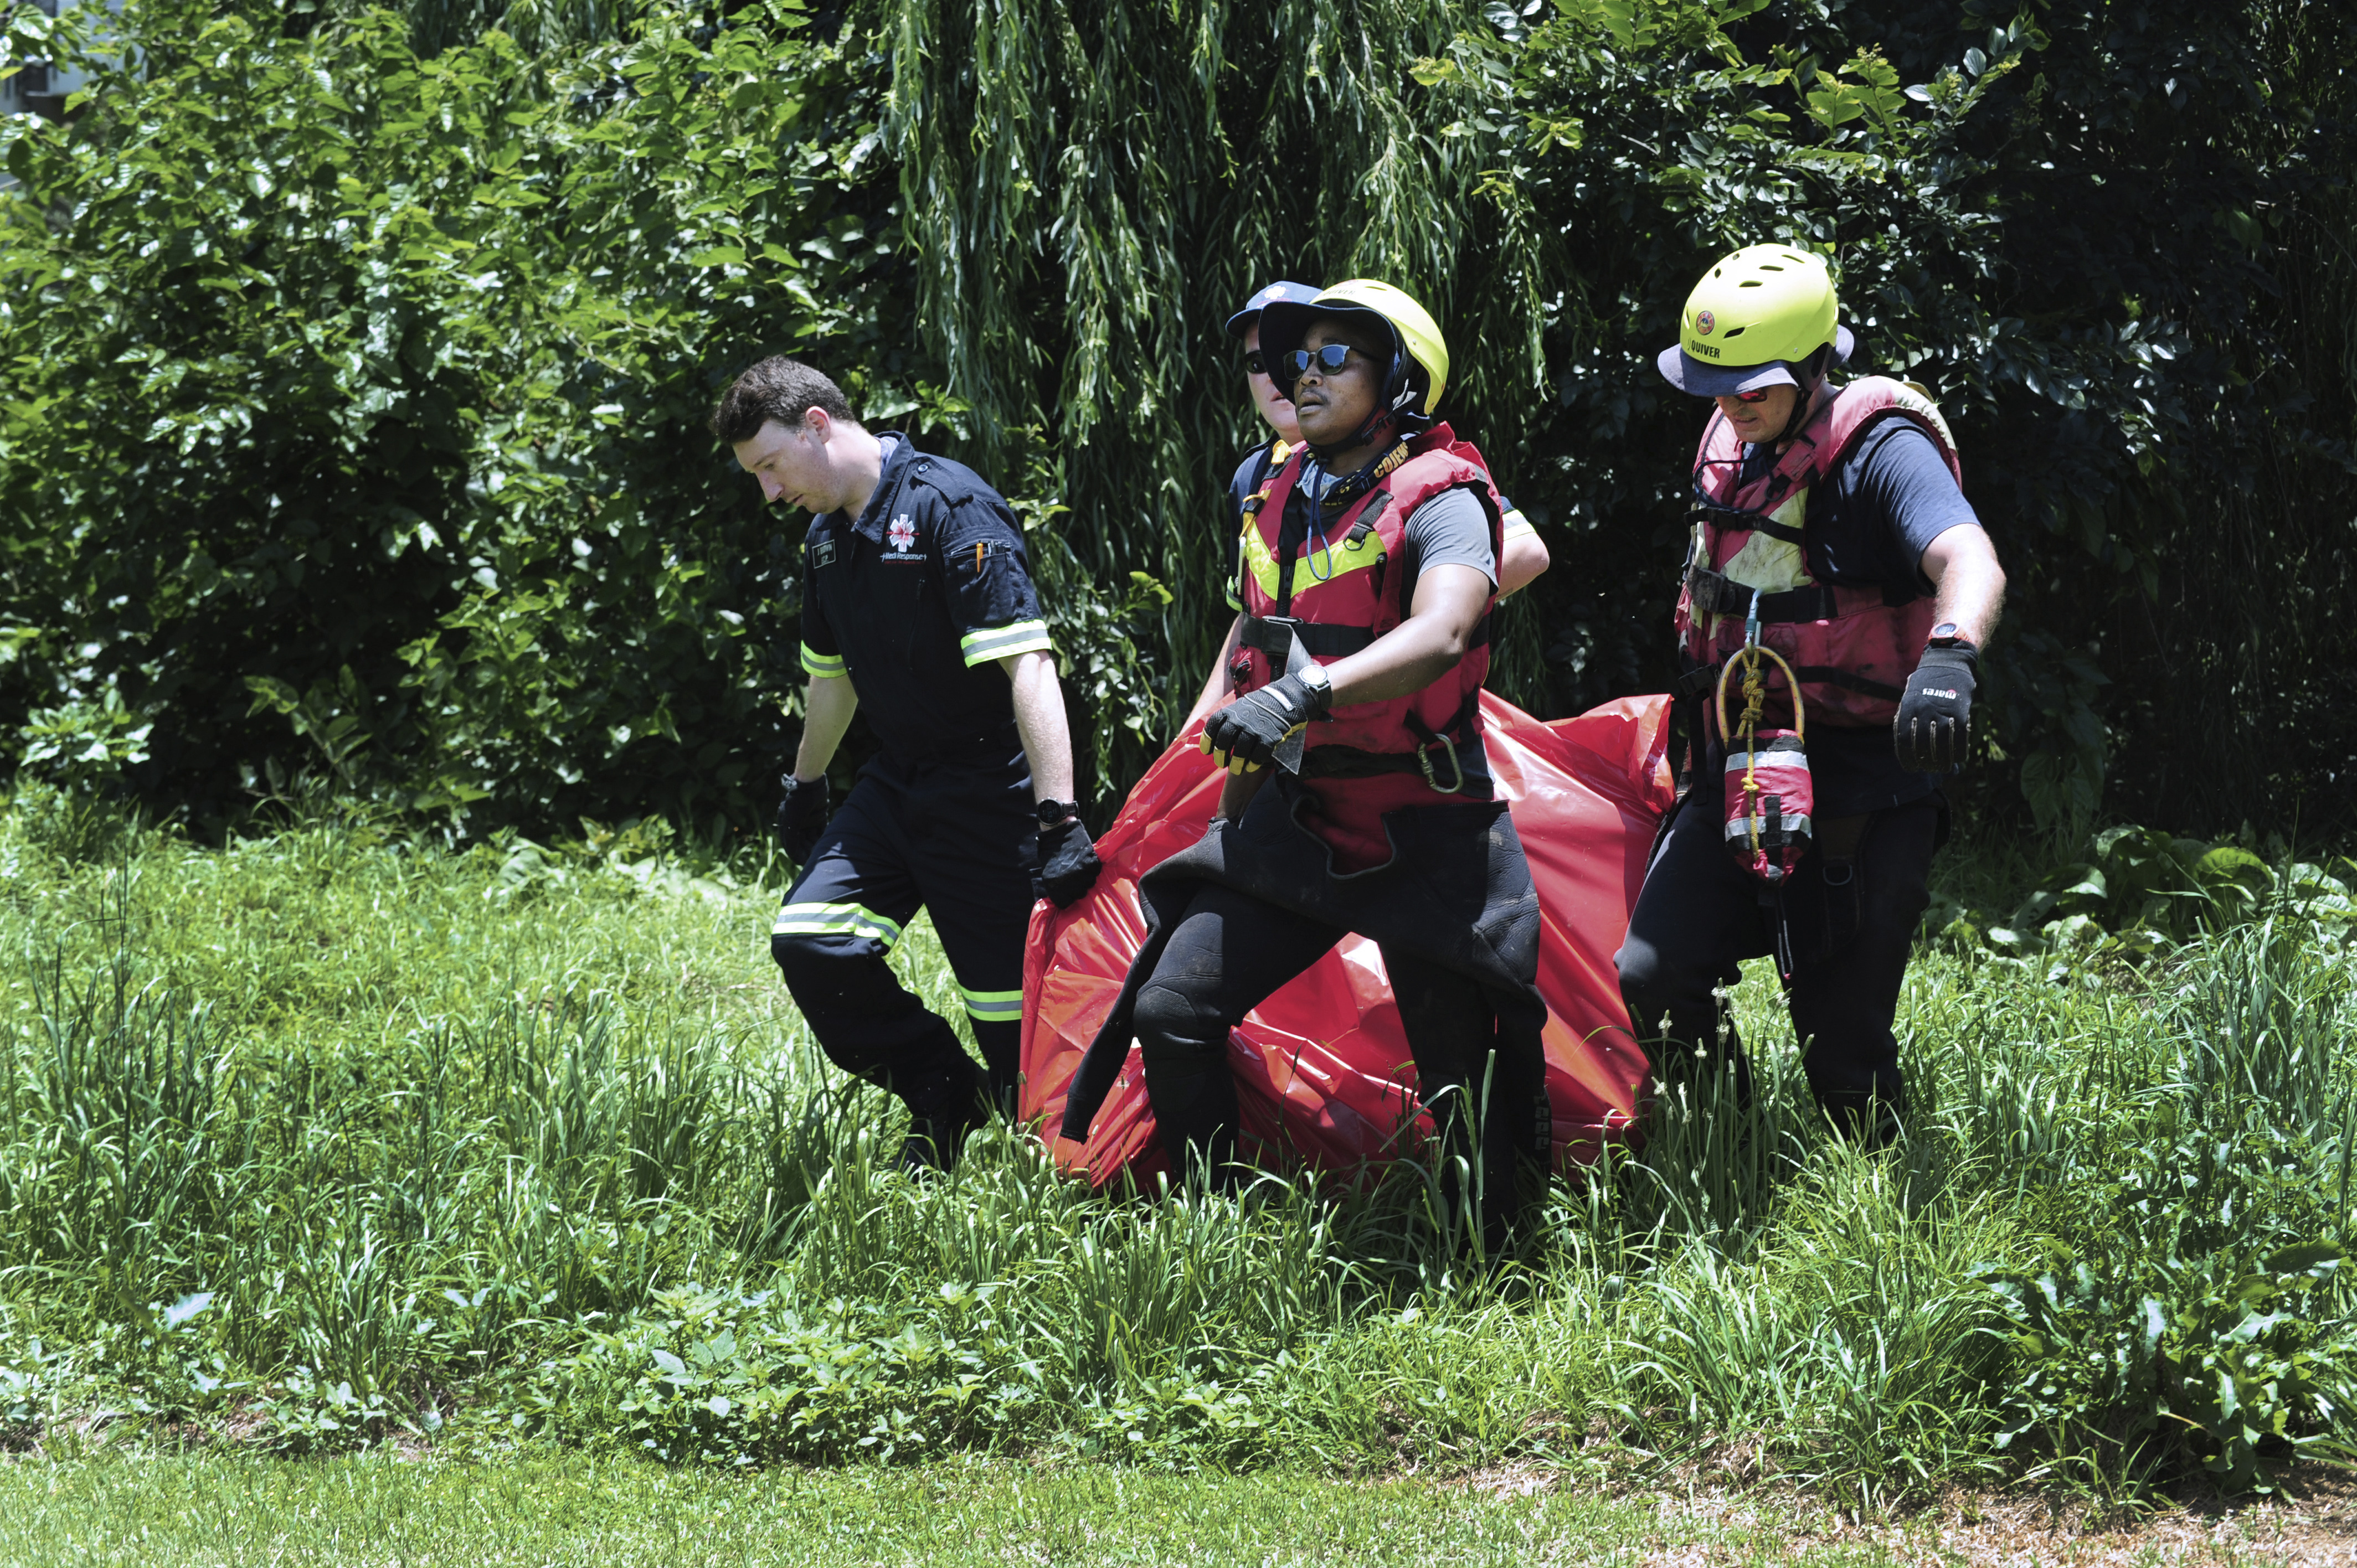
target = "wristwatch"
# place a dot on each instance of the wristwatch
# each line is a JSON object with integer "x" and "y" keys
{"x": 1948, "y": 635}
{"x": 1321, "y": 684}
{"x": 1054, "y": 811}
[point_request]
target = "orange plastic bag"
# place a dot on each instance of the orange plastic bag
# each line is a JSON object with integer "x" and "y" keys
{"x": 1323, "y": 1073}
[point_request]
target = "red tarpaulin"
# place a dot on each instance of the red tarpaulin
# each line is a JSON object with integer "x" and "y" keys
{"x": 1323, "y": 1073}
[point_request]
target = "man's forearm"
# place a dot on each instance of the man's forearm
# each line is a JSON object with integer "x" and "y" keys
{"x": 827, "y": 708}
{"x": 1963, "y": 566}
{"x": 1039, "y": 720}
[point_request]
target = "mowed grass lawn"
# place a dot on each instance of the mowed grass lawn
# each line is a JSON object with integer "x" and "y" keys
{"x": 549, "y": 1508}
{"x": 364, "y": 1200}
{"x": 552, "y": 1510}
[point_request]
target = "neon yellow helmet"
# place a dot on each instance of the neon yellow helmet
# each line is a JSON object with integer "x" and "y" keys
{"x": 1419, "y": 367}
{"x": 1758, "y": 319}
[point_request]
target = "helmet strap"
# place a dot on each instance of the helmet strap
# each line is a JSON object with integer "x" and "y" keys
{"x": 1378, "y": 428}
{"x": 1810, "y": 374}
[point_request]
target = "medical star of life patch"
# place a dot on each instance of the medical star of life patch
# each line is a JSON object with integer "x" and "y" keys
{"x": 903, "y": 534}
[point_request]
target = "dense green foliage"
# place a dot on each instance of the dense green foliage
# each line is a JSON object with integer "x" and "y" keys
{"x": 358, "y": 359}
{"x": 331, "y": 1136}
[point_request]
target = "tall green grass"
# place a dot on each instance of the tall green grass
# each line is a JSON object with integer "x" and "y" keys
{"x": 334, "y": 1135}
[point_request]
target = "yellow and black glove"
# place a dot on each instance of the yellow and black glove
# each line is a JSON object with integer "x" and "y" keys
{"x": 1242, "y": 737}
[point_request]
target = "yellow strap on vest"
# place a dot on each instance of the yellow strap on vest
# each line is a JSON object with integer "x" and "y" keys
{"x": 1352, "y": 555}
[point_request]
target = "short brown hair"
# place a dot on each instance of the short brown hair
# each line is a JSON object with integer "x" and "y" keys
{"x": 779, "y": 389}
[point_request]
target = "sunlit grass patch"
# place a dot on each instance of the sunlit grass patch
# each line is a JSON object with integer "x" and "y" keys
{"x": 336, "y": 1137}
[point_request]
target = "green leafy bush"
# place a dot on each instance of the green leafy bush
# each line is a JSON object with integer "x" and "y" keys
{"x": 2140, "y": 891}
{"x": 723, "y": 1377}
{"x": 2231, "y": 1367}
{"x": 356, "y": 428}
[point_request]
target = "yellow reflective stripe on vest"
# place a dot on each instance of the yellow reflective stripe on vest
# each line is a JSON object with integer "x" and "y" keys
{"x": 834, "y": 921}
{"x": 1308, "y": 571}
{"x": 993, "y": 1006}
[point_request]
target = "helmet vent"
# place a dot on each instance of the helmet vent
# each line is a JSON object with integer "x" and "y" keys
{"x": 1736, "y": 331}
{"x": 1748, "y": 282}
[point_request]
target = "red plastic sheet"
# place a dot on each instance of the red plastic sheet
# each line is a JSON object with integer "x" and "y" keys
{"x": 1323, "y": 1073}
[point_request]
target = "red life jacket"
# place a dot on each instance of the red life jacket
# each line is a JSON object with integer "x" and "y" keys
{"x": 1352, "y": 591}
{"x": 1348, "y": 587}
{"x": 1853, "y": 648}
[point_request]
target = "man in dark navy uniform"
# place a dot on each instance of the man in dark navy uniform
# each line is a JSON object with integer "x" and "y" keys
{"x": 917, "y": 602}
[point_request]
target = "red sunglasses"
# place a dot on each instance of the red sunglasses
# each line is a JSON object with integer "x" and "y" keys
{"x": 1757, "y": 395}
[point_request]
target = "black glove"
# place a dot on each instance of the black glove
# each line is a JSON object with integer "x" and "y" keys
{"x": 1068, "y": 862}
{"x": 1242, "y": 737}
{"x": 1935, "y": 715}
{"x": 802, "y": 816}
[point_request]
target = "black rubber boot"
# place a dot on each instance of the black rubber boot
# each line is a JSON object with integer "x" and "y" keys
{"x": 941, "y": 1116}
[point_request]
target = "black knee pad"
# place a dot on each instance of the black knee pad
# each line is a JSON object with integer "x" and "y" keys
{"x": 1175, "y": 1030}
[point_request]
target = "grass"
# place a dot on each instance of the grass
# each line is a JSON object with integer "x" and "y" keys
{"x": 335, "y": 1137}
{"x": 547, "y": 1509}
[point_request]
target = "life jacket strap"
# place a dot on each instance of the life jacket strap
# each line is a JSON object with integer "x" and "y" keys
{"x": 1274, "y": 635}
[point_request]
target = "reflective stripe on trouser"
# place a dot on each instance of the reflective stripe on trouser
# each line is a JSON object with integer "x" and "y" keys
{"x": 993, "y": 1006}
{"x": 948, "y": 840}
{"x": 837, "y": 920}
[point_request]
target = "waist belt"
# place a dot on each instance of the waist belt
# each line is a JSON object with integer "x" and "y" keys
{"x": 1272, "y": 634}
{"x": 1714, "y": 592}
{"x": 1274, "y": 637}
{"x": 1350, "y": 762}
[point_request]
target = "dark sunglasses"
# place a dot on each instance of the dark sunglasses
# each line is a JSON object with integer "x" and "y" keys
{"x": 1255, "y": 362}
{"x": 1758, "y": 395}
{"x": 1329, "y": 359}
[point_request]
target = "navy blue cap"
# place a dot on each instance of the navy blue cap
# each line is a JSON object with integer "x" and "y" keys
{"x": 1688, "y": 374}
{"x": 1253, "y": 307}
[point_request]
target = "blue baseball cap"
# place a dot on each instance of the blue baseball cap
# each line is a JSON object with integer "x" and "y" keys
{"x": 1299, "y": 292}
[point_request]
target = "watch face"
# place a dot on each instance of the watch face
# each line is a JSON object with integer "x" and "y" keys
{"x": 1946, "y": 628}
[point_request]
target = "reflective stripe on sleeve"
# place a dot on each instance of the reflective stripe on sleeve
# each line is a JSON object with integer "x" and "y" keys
{"x": 820, "y": 664}
{"x": 998, "y": 641}
{"x": 1515, "y": 522}
{"x": 993, "y": 1006}
{"x": 834, "y": 921}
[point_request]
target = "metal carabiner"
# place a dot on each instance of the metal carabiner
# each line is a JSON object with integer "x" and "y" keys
{"x": 1751, "y": 622}
{"x": 1423, "y": 760}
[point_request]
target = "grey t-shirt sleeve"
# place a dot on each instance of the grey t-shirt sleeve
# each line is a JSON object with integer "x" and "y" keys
{"x": 1452, "y": 528}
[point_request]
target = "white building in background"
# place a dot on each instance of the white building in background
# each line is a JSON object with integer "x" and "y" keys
{"x": 43, "y": 89}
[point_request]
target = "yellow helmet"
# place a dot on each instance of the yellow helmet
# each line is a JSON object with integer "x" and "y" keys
{"x": 1419, "y": 367}
{"x": 1757, "y": 319}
